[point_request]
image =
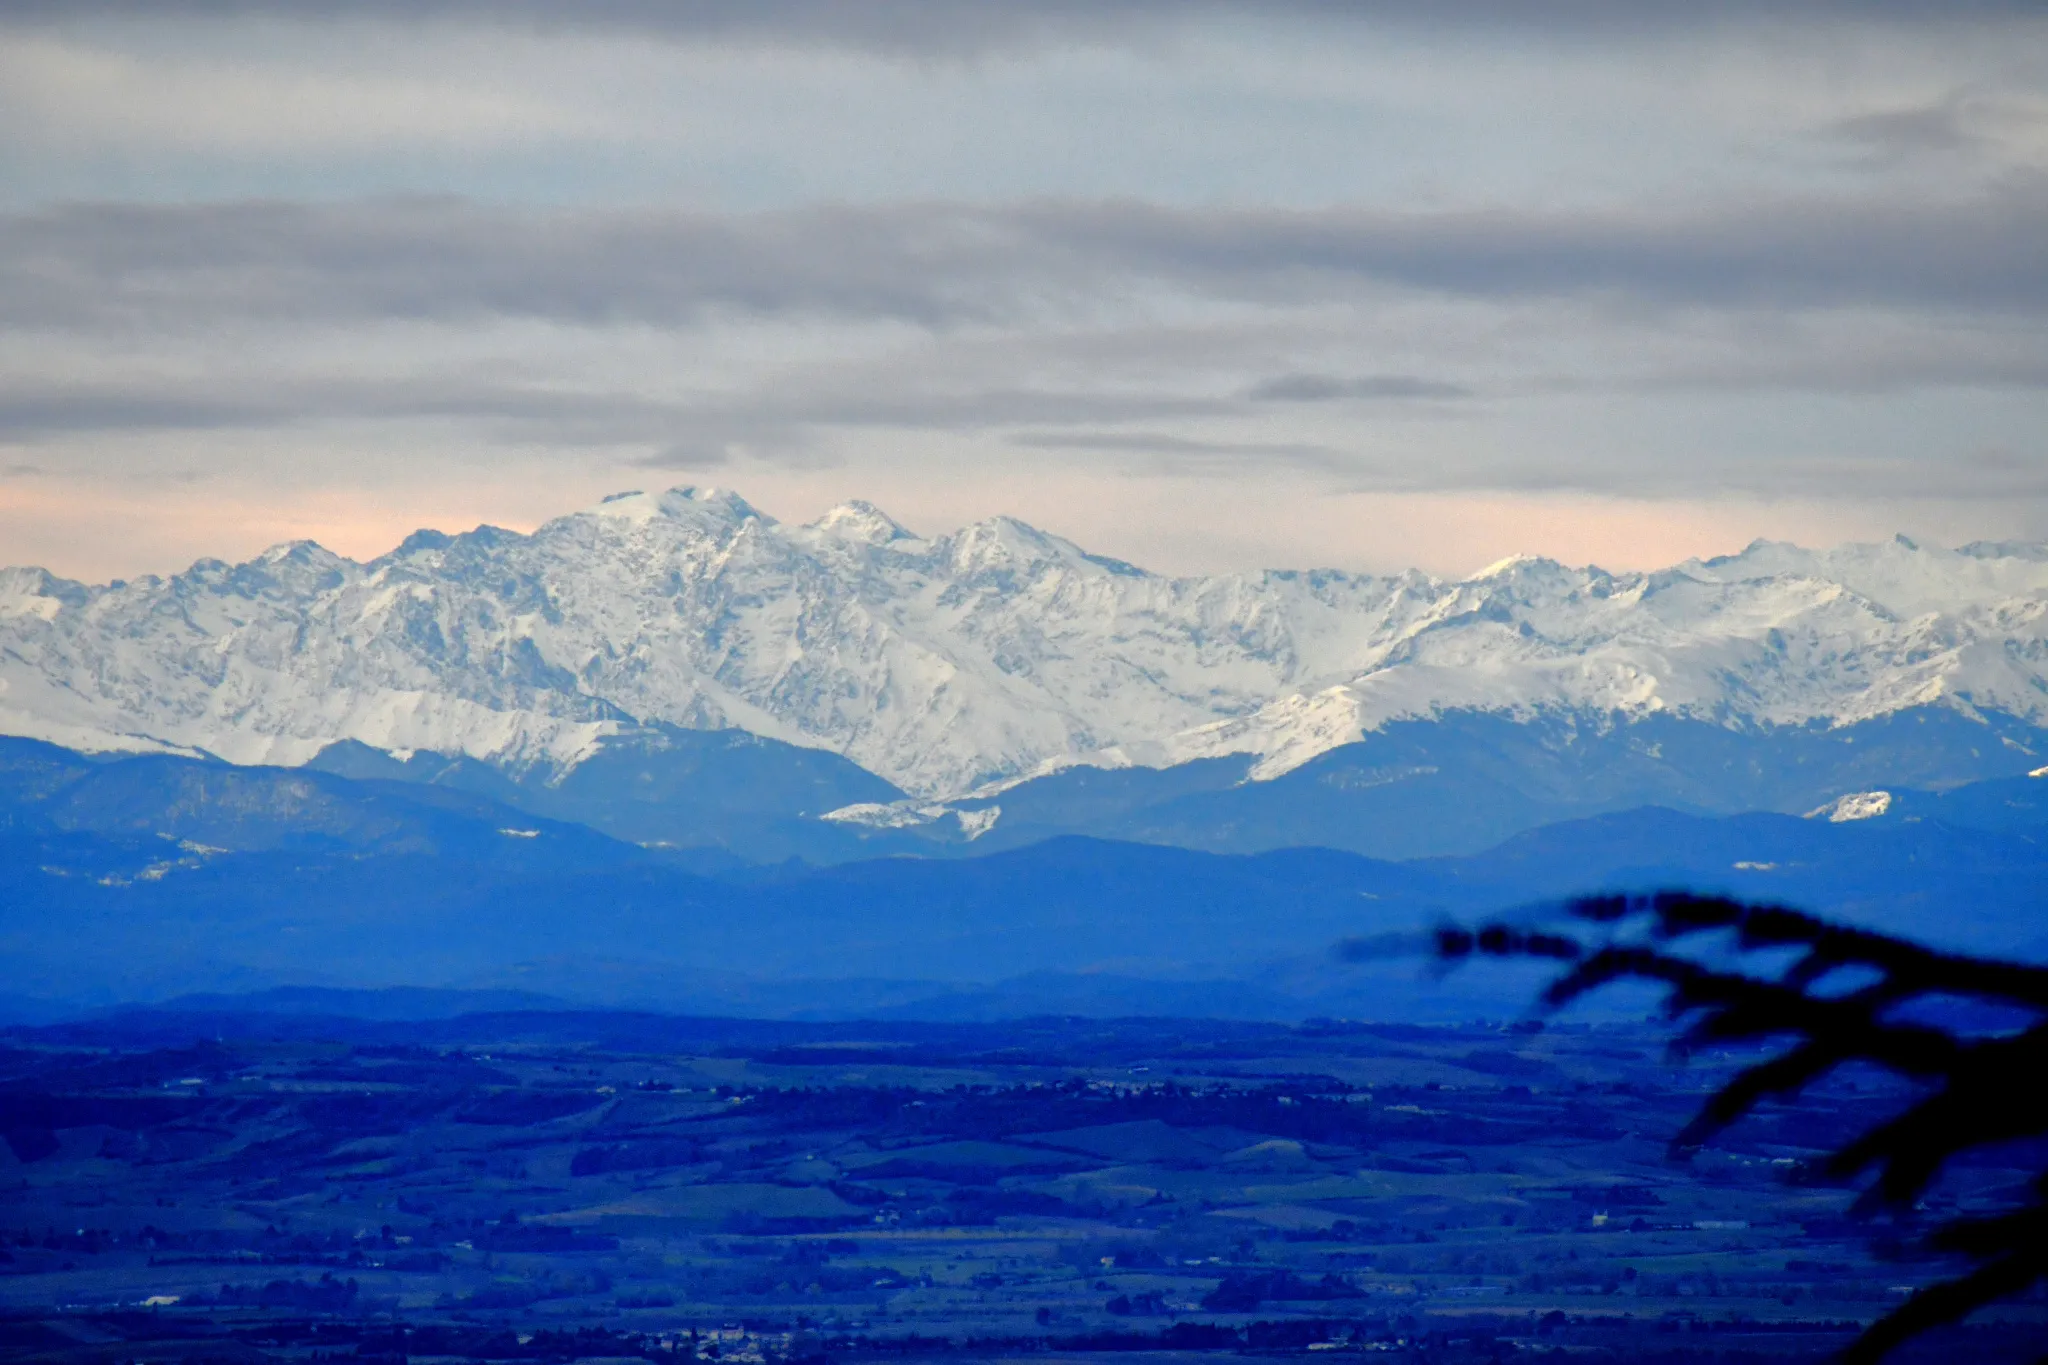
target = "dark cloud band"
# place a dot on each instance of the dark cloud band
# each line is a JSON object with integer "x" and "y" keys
{"x": 979, "y": 27}
{"x": 939, "y": 265}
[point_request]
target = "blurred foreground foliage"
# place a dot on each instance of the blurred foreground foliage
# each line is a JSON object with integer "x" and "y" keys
{"x": 1970, "y": 1033}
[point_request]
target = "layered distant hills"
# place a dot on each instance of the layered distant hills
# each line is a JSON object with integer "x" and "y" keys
{"x": 145, "y": 877}
{"x": 670, "y": 751}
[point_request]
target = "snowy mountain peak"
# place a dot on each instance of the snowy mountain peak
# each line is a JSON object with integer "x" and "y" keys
{"x": 1854, "y": 806}
{"x": 1512, "y": 565}
{"x": 37, "y": 592}
{"x": 1002, "y": 545}
{"x": 861, "y": 521}
{"x": 423, "y": 541}
{"x": 691, "y": 505}
{"x": 969, "y": 660}
{"x": 291, "y": 570}
{"x": 722, "y": 504}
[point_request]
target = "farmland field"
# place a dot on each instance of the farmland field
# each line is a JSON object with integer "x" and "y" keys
{"x": 561, "y": 1186}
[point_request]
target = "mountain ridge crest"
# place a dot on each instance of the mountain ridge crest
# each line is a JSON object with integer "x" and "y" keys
{"x": 960, "y": 662}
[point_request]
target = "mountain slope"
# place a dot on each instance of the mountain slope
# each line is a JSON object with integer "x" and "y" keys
{"x": 88, "y": 916}
{"x": 758, "y": 799}
{"x": 179, "y": 813}
{"x": 980, "y": 657}
{"x": 1464, "y": 781}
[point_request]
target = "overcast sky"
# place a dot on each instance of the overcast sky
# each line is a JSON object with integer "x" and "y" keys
{"x": 1204, "y": 286}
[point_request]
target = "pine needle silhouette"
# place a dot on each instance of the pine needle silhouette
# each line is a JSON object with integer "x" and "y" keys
{"x": 1978, "y": 1089}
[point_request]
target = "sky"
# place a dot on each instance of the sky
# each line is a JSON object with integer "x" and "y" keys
{"x": 1204, "y": 286}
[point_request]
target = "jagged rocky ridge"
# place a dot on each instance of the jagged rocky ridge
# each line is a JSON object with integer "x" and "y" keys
{"x": 951, "y": 663}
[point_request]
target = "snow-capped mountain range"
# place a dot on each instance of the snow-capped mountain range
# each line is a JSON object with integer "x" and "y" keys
{"x": 958, "y": 662}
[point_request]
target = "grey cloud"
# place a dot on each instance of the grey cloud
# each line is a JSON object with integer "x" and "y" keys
{"x": 1932, "y": 129}
{"x": 1948, "y": 295}
{"x": 1981, "y": 476}
{"x": 1989, "y": 253}
{"x": 1964, "y": 129}
{"x": 775, "y": 421}
{"x": 792, "y": 427}
{"x": 943, "y": 28}
{"x": 787, "y": 426}
{"x": 939, "y": 265}
{"x": 911, "y": 406}
{"x": 690, "y": 455}
{"x": 1181, "y": 450}
{"x": 28, "y": 413}
{"x": 1325, "y": 388}
{"x": 1842, "y": 367}
{"x": 453, "y": 261}
{"x": 786, "y": 422}
{"x": 31, "y": 411}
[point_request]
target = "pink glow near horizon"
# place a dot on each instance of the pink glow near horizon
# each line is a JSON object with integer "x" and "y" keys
{"x": 1172, "y": 526}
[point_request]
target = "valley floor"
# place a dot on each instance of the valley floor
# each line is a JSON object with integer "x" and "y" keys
{"x": 576, "y": 1186}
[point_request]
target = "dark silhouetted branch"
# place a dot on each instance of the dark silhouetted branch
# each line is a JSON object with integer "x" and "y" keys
{"x": 1980, "y": 1089}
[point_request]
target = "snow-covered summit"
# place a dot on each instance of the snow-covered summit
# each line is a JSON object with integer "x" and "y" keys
{"x": 954, "y": 662}
{"x": 861, "y": 521}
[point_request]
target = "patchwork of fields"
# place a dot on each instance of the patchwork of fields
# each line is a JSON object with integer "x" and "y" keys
{"x": 557, "y": 1186}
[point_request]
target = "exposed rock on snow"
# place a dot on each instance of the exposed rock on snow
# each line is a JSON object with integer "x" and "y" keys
{"x": 1854, "y": 806}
